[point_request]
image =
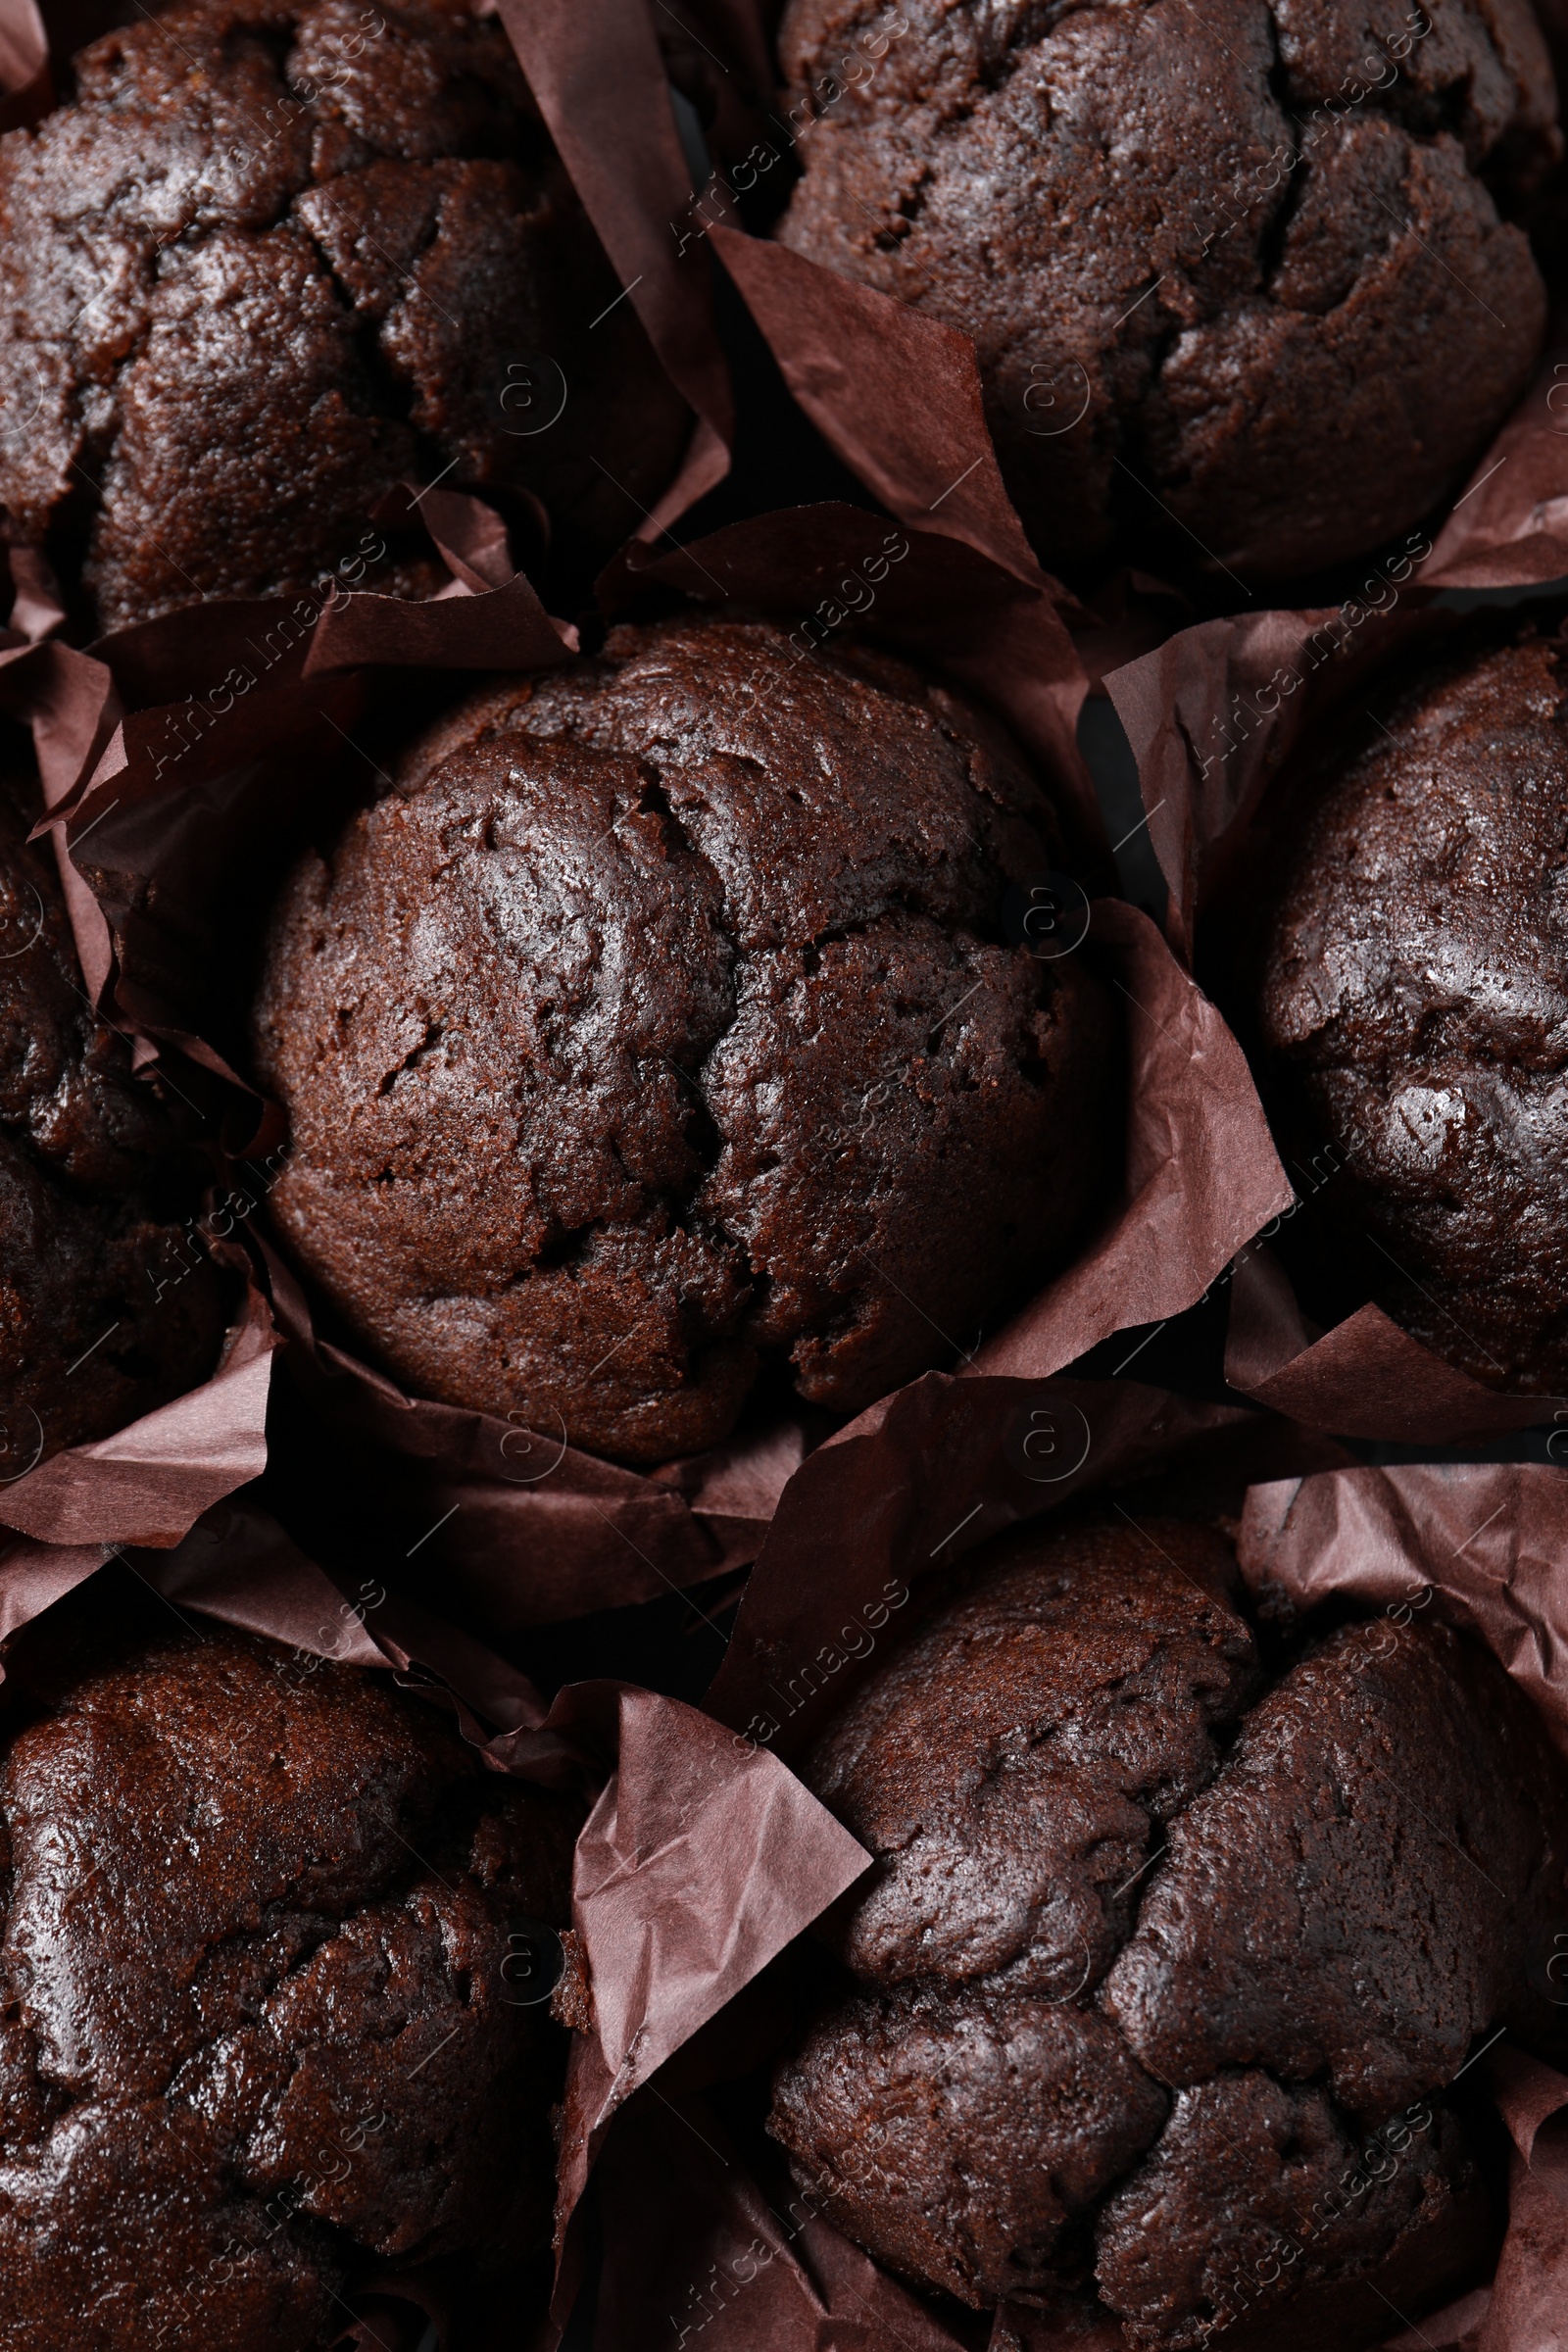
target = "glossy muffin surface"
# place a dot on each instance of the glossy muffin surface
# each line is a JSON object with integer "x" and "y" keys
{"x": 270, "y": 259}
{"x": 257, "y": 2037}
{"x": 1413, "y": 1010}
{"x": 664, "y": 1020}
{"x": 1154, "y": 1956}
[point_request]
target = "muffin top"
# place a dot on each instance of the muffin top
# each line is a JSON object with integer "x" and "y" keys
{"x": 1413, "y": 1007}
{"x": 272, "y": 258}
{"x": 1213, "y": 262}
{"x": 1151, "y": 1950}
{"x": 108, "y": 1303}
{"x": 254, "y": 1912}
{"x": 662, "y": 1020}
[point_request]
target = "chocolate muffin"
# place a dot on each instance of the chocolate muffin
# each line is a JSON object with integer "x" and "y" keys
{"x": 1414, "y": 1009}
{"x": 109, "y": 1305}
{"x": 256, "y": 2041}
{"x": 661, "y": 1023}
{"x": 1160, "y": 1970}
{"x": 273, "y": 257}
{"x": 1245, "y": 270}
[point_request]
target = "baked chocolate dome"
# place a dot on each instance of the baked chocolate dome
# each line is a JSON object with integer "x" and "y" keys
{"x": 256, "y": 2040}
{"x": 1152, "y": 1957}
{"x": 1204, "y": 280}
{"x": 270, "y": 260}
{"x": 108, "y": 1304}
{"x": 1414, "y": 1009}
{"x": 662, "y": 1020}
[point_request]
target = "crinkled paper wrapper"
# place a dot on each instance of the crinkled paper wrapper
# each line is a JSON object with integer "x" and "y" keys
{"x": 148, "y": 1483}
{"x": 113, "y": 721}
{"x": 696, "y": 2254}
{"x": 704, "y": 1856}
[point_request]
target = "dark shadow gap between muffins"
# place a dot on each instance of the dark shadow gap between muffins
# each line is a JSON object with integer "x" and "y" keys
{"x": 108, "y": 1303}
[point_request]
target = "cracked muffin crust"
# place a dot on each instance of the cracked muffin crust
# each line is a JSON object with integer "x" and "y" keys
{"x": 1414, "y": 1009}
{"x": 108, "y": 1306}
{"x": 660, "y": 1022}
{"x": 255, "y": 2038}
{"x": 1153, "y": 1959}
{"x": 1204, "y": 280}
{"x": 273, "y": 257}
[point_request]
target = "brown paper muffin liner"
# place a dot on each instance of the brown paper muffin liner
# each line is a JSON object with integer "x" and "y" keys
{"x": 149, "y": 1482}
{"x": 895, "y": 395}
{"x": 704, "y": 1856}
{"x": 698, "y": 2254}
{"x": 893, "y": 392}
{"x": 24, "y": 91}
{"x": 900, "y": 1494}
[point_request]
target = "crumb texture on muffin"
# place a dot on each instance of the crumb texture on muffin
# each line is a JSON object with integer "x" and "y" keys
{"x": 662, "y": 1020}
{"x": 1154, "y": 1958}
{"x": 255, "y": 2030}
{"x": 108, "y": 1305}
{"x": 1414, "y": 1009}
{"x": 271, "y": 258}
{"x": 1202, "y": 273}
